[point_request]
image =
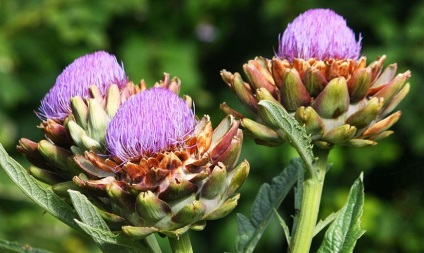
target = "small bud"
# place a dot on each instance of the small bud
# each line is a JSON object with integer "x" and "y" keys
{"x": 244, "y": 93}
{"x": 314, "y": 81}
{"x": 113, "y": 100}
{"x": 230, "y": 111}
{"x": 150, "y": 207}
{"x": 222, "y": 136}
{"x": 177, "y": 189}
{"x": 383, "y": 124}
{"x": 293, "y": 92}
{"x": 62, "y": 188}
{"x": 139, "y": 232}
{"x": 56, "y": 133}
{"x": 359, "y": 85}
{"x": 80, "y": 111}
{"x": 190, "y": 213}
{"x": 396, "y": 100}
{"x": 120, "y": 196}
{"x": 385, "y": 78}
{"x": 360, "y": 143}
{"x": 263, "y": 94}
{"x": 333, "y": 100}
{"x": 340, "y": 134}
{"x": 261, "y": 132}
{"x": 97, "y": 121}
{"x": 259, "y": 76}
{"x": 362, "y": 118}
{"x": 45, "y": 176}
{"x": 312, "y": 121}
{"x": 54, "y": 154}
{"x": 224, "y": 209}
{"x": 215, "y": 182}
{"x": 238, "y": 177}
{"x": 393, "y": 88}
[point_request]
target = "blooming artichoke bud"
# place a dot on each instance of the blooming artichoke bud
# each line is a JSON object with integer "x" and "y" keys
{"x": 165, "y": 171}
{"x": 75, "y": 113}
{"x": 320, "y": 79}
{"x": 168, "y": 173}
{"x": 100, "y": 69}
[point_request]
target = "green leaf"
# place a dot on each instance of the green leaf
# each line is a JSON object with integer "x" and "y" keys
{"x": 19, "y": 248}
{"x": 275, "y": 115}
{"x": 284, "y": 226}
{"x": 45, "y": 198}
{"x": 94, "y": 225}
{"x": 269, "y": 197}
{"x": 343, "y": 233}
{"x": 87, "y": 211}
{"x": 323, "y": 223}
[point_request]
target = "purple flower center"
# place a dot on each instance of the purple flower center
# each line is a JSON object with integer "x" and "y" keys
{"x": 151, "y": 121}
{"x": 321, "y": 34}
{"x": 99, "y": 68}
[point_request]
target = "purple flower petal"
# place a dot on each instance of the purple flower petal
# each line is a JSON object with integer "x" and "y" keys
{"x": 321, "y": 34}
{"x": 150, "y": 121}
{"x": 99, "y": 68}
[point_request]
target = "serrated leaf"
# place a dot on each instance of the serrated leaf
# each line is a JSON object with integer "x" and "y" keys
{"x": 343, "y": 233}
{"x": 269, "y": 198}
{"x": 87, "y": 211}
{"x": 45, "y": 198}
{"x": 20, "y": 248}
{"x": 299, "y": 139}
{"x": 94, "y": 225}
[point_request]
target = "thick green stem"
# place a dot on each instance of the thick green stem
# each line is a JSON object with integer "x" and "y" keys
{"x": 311, "y": 199}
{"x": 181, "y": 244}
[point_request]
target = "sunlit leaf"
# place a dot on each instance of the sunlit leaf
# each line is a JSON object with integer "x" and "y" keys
{"x": 343, "y": 233}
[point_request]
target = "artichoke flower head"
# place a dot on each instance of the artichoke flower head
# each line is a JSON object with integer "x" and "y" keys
{"x": 99, "y": 68}
{"x": 140, "y": 155}
{"x": 319, "y": 77}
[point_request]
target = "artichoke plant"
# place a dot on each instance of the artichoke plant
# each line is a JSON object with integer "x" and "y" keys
{"x": 319, "y": 78}
{"x": 140, "y": 155}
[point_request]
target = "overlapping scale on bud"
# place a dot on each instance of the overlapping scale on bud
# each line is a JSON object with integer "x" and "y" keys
{"x": 338, "y": 98}
{"x": 165, "y": 171}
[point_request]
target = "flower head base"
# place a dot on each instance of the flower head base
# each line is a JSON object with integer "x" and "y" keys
{"x": 151, "y": 121}
{"x": 99, "y": 68}
{"x": 319, "y": 34}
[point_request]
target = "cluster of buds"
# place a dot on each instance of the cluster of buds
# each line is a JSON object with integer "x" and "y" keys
{"x": 318, "y": 77}
{"x": 140, "y": 155}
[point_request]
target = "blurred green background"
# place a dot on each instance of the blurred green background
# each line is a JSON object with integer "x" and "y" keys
{"x": 194, "y": 40}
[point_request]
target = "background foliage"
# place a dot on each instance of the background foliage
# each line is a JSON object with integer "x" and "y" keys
{"x": 194, "y": 40}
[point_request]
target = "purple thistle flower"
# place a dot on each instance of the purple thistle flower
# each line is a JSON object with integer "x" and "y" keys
{"x": 99, "y": 68}
{"x": 321, "y": 34}
{"x": 151, "y": 121}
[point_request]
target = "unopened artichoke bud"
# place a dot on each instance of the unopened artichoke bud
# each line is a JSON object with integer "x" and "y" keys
{"x": 319, "y": 78}
{"x": 165, "y": 172}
